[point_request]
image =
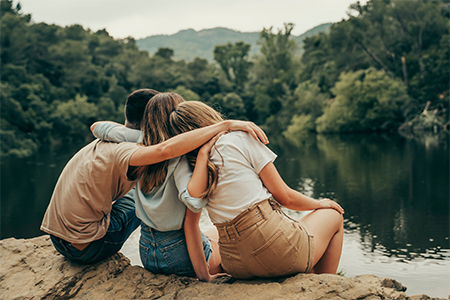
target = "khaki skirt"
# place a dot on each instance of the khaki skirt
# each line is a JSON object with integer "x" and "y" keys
{"x": 262, "y": 242}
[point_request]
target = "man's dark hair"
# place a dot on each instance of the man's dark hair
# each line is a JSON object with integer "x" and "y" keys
{"x": 135, "y": 105}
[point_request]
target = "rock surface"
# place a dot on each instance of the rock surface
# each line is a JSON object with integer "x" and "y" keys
{"x": 32, "y": 269}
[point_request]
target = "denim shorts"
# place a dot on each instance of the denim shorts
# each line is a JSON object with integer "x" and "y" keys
{"x": 165, "y": 252}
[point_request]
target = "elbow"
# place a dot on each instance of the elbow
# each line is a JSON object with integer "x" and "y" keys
{"x": 286, "y": 199}
{"x": 93, "y": 126}
{"x": 193, "y": 191}
{"x": 165, "y": 151}
{"x": 286, "y": 202}
{"x": 195, "y": 207}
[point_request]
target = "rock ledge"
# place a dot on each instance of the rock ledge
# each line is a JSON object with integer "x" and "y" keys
{"x": 32, "y": 269}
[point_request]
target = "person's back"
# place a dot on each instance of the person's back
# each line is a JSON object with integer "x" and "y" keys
{"x": 239, "y": 158}
{"x": 90, "y": 216}
{"x": 95, "y": 176}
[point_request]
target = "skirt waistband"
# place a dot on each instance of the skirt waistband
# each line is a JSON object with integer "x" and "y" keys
{"x": 256, "y": 213}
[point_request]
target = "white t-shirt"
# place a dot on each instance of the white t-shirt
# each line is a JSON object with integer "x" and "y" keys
{"x": 240, "y": 158}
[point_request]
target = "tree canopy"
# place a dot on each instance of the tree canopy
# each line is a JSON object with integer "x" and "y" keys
{"x": 386, "y": 67}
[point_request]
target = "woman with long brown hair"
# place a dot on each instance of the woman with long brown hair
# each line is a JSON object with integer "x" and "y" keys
{"x": 256, "y": 239}
{"x": 161, "y": 186}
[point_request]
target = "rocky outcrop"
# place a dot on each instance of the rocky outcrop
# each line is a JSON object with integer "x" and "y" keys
{"x": 32, "y": 269}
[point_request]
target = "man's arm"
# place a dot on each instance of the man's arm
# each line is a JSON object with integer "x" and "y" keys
{"x": 100, "y": 122}
{"x": 114, "y": 132}
{"x": 188, "y": 141}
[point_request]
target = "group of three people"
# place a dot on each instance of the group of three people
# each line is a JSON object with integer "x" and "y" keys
{"x": 172, "y": 159}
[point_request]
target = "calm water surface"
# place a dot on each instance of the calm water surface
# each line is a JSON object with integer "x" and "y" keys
{"x": 395, "y": 193}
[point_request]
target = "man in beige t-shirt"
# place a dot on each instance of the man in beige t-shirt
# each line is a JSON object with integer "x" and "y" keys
{"x": 92, "y": 213}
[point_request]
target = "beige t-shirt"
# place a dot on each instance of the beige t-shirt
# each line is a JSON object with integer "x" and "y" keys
{"x": 81, "y": 202}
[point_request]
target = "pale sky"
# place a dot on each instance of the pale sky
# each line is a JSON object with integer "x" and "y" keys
{"x": 142, "y": 18}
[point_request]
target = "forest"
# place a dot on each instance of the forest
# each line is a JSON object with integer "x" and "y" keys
{"x": 383, "y": 69}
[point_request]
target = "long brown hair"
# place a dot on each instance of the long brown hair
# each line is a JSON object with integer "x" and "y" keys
{"x": 191, "y": 115}
{"x": 155, "y": 128}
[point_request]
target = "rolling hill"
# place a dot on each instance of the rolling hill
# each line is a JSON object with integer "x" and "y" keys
{"x": 189, "y": 44}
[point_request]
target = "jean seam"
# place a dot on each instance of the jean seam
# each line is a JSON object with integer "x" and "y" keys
{"x": 122, "y": 227}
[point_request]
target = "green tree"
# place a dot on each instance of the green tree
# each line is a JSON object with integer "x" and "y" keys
{"x": 234, "y": 61}
{"x": 72, "y": 117}
{"x": 187, "y": 94}
{"x": 318, "y": 65}
{"x": 366, "y": 100}
{"x": 14, "y": 35}
{"x": 229, "y": 105}
{"x": 166, "y": 53}
{"x": 407, "y": 39}
{"x": 309, "y": 99}
{"x": 274, "y": 78}
{"x": 298, "y": 130}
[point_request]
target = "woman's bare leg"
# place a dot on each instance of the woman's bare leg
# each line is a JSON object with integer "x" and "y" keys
{"x": 327, "y": 227}
{"x": 214, "y": 260}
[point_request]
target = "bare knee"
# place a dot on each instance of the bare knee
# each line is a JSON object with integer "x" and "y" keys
{"x": 335, "y": 218}
{"x": 324, "y": 221}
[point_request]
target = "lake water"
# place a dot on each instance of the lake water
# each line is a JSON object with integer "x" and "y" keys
{"x": 395, "y": 193}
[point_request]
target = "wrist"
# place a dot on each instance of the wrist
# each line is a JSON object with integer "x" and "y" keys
{"x": 226, "y": 125}
{"x": 319, "y": 204}
{"x": 203, "y": 155}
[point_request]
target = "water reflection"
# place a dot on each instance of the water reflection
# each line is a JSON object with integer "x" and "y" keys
{"x": 26, "y": 187}
{"x": 395, "y": 192}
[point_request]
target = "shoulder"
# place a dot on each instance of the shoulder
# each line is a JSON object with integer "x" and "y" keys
{"x": 234, "y": 137}
{"x": 239, "y": 139}
{"x": 104, "y": 148}
{"x": 124, "y": 148}
{"x": 125, "y": 145}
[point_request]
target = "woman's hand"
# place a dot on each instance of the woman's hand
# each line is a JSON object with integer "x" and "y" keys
{"x": 249, "y": 127}
{"x": 212, "y": 277}
{"x": 327, "y": 203}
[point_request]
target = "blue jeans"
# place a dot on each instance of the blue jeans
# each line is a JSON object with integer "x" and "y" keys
{"x": 123, "y": 222}
{"x": 165, "y": 252}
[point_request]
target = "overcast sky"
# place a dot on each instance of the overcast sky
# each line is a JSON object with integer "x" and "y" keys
{"x": 142, "y": 18}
